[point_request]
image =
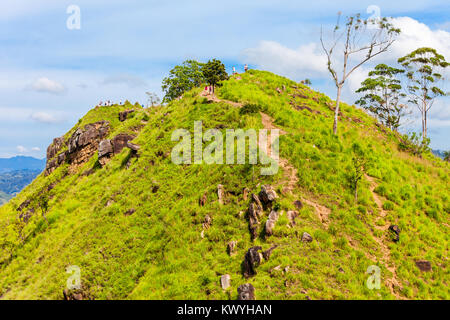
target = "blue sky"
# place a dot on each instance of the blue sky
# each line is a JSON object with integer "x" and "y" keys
{"x": 51, "y": 76}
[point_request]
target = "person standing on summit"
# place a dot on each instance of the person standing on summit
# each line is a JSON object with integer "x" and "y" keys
{"x": 246, "y": 68}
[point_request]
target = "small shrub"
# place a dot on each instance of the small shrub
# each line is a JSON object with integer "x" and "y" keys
{"x": 388, "y": 205}
{"x": 249, "y": 109}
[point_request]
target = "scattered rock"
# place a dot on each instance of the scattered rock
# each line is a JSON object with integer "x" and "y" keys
{"x": 266, "y": 254}
{"x": 207, "y": 222}
{"x": 231, "y": 246}
{"x": 271, "y": 221}
{"x": 202, "y": 200}
{"x": 253, "y": 220}
{"x": 245, "y": 192}
{"x": 124, "y": 115}
{"x": 306, "y": 237}
{"x": 225, "y": 281}
{"x": 298, "y": 204}
{"x": 130, "y": 212}
{"x": 258, "y": 205}
{"x": 395, "y": 232}
{"x": 423, "y": 265}
{"x": 221, "y": 193}
{"x": 252, "y": 260}
{"x": 23, "y": 205}
{"x": 286, "y": 269}
{"x": 246, "y": 292}
{"x": 267, "y": 194}
{"x": 292, "y": 215}
{"x": 72, "y": 295}
{"x": 341, "y": 270}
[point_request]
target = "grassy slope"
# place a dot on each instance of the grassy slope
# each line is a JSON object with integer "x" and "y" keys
{"x": 158, "y": 252}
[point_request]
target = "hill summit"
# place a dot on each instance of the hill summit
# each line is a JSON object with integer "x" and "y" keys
{"x": 113, "y": 209}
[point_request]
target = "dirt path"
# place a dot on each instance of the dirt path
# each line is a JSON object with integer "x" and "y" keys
{"x": 386, "y": 253}
{"x": 290, "y": 179}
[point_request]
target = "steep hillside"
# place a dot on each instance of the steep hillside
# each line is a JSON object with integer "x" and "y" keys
{"x": 141, "y": 227}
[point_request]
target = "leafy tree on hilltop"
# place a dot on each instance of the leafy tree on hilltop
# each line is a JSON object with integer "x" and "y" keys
{"x": 364, "y": 39}
{"x": 214, "y": 72}
{"x": 383, "y": 95}
{"x": 182, "y": 78}
{"x": 422, "y": 66}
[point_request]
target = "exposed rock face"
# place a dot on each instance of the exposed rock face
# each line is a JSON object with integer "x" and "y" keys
{"x": 292, "y": 215}
{"x": 124, "y": 115}
{"x": 221, "y": 193}
{"x": 395, "y": 232}
{"x": 225, "y": 281}
{"x": 108, "y": 148}
{"x": 246, "y": 292}
{"x": 23, "y": 205}
{"x": 424, "y": 265}
{"x": 54, "y": 148}
{"x": 306, "y": 237}
{"x": 255, "y": 211}
{"x": 267, "y": 194}
{"x": 271, "y": 221}
{"x": 120, "y": 141}
{"x": 252, "y": 259}
{"x": 81, "y": 146}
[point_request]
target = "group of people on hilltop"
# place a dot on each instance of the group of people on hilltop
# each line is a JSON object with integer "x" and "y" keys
{"x": 108, "y": 103}
{"x": 245, "y": 69}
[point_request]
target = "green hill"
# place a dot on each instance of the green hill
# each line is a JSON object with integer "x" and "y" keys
{"x": 141, "y": 227}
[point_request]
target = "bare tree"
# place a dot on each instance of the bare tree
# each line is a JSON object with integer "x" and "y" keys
{"x": 361, "y": 38}
{"x": 153, "y": 99}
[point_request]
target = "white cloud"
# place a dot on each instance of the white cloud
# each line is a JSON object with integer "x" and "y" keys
{"x": 45, "y": 117}
{"x": 47, "y": 85}
{"x": 21, "y": 149}
{"x": 415, "y": 34}
{"x": 307, "y": 61}
{"x": 36, "y": 149}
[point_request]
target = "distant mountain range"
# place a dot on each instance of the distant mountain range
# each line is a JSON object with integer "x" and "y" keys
{"x": 438, "y": 153}
{"x": 21, "y": 163}
{"x": 16, "y": 173}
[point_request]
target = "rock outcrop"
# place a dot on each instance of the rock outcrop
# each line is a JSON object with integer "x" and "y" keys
{"x": 395, "y": 232}
{"x": 306, "y": 237}
{"x": 81, "y": 146}
{"x": 108, "y": 148}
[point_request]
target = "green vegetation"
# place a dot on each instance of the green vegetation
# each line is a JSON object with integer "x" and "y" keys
{"x": 383, "y": 95}
{"x": 423, "y": 69}
{"x": 158, "y": 251}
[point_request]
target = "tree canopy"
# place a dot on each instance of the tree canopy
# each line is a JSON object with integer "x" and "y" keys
{"x": 383, "y": 95}
{"x": 182, "y": 78}
{"x": 423, "y": 67}
{"x": 214, "y": 72}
